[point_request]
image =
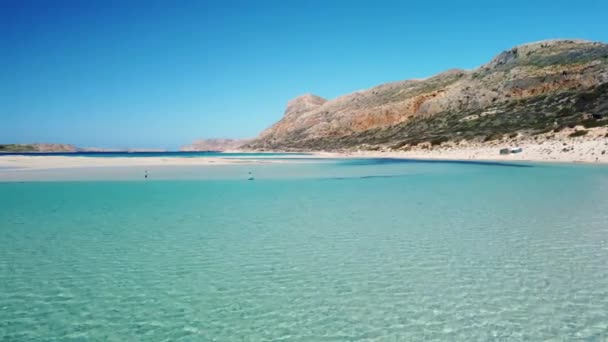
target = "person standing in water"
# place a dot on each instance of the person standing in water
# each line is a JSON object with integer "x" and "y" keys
{"x": 145, "y": 174}
{"x": 250, "y": 176}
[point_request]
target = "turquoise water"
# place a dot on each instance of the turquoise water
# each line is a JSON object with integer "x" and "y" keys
{"x": 355, "y": 251}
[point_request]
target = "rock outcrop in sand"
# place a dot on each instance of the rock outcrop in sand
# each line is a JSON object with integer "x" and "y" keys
{"x": 529, "y": 89}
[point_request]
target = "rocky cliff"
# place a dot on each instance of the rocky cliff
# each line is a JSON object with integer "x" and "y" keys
{"x": 529, "y": 89}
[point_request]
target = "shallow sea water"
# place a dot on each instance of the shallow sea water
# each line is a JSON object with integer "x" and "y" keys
{"x": 336, "y": 251}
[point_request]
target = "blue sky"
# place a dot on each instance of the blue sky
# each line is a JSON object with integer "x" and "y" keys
{"x": 163, "y": 73}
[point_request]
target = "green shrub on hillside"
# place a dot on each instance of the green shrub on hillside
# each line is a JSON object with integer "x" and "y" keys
{"x": 439, "y": 141}
{"x": 578, "y": 133}
{"x": 493, "y": 136}
{"x": 590, "y": 123}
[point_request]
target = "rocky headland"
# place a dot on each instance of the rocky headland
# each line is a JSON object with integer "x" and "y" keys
{"x": 531, "y": 94}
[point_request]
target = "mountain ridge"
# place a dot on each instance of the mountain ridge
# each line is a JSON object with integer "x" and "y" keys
{"x": 529, "y": 88}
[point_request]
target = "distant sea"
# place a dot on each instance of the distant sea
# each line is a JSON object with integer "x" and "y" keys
{"x": 343, "y": 250}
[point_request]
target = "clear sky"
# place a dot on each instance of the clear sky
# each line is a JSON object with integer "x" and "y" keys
{"x": 160, "y": 74}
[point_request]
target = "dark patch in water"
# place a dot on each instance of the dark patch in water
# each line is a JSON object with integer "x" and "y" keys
{"x": 366, "y": 177}
{"x": 382, "y": 176}
{"x": 385, "y": 161}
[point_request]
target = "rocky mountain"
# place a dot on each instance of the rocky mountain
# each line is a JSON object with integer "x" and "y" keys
{"x": 529, "y": 89}
{"x": 217, "y": 145}
{"x": 37, "y": 148}
{"x": 99, "y": 149}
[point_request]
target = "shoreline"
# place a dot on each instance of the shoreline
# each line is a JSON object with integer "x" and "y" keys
{"x": 589, "y": 155}
{"x": 577, "y": 153}
{"x": 553, "y": 147}
{"x": 45, "y": 169}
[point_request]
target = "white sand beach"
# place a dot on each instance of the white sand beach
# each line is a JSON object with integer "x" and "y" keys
{"x": 551, "y": 147}
{"x": 60, "y": 162}
{"x": 27, "y": 168}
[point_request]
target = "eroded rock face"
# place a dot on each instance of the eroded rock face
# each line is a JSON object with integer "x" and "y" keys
{"x": 515, "y": 86}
